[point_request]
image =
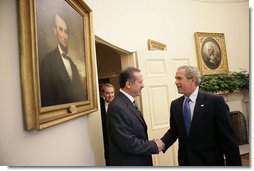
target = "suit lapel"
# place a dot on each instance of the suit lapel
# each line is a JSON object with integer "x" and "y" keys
{"x": 179, "y": 112}
{"x": 138, "y": 114}
{"x": 132, "y": 108}
{"x": 61, "y": 68}
{"x": 198, "y": 110}
{"x": 197, "y": 113}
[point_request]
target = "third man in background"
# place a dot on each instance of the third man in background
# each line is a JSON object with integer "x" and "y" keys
{"x": 107, "y": 95}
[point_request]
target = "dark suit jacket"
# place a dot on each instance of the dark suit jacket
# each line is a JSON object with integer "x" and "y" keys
{"x": 55, "y": 83}
{"x": 211, "y": 135}
{"x": 128, "y": 139}
{"x": 104, "y": 129}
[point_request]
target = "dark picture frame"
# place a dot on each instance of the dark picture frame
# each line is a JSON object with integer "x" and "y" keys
{"x": 47, "y": 103}
{"x": 211, "y": 52}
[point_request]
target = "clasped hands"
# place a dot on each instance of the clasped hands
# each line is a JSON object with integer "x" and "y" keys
{"x": 160, "y": 144}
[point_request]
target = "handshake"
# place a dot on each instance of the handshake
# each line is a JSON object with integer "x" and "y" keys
{"x": 160, "y": 144}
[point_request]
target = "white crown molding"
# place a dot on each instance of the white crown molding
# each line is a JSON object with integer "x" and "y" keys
{"x": 221, "y": 1}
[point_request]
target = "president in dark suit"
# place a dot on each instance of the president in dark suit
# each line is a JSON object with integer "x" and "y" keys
{"x": 127, "y": 129}
{"x": 200, "y": 121}
{"x": 60, "y": 81}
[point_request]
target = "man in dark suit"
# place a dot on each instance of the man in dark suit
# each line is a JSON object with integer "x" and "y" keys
{"x": 206, "y": 136}
{"x": 107, "y": 95}
{"x": 60, "y": 81}
{"x": 127, "y": 130}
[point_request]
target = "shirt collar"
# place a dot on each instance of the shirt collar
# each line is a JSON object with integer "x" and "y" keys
{"x": 194, "y": 95}
{"x": 60, "y": 50}
{"x": 126, "y": 94}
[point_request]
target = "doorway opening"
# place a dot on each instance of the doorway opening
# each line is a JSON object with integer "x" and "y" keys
{"x": 110, "y": 61}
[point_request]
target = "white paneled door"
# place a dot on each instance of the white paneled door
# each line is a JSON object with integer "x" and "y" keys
{"x": 158, "y": 69}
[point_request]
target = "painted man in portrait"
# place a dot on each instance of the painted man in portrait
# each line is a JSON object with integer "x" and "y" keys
{"x": 60, "y": 80}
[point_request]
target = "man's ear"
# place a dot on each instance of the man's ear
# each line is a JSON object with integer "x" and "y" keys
{"x": 193, "y": 80}
{"x": 128, "y": 84}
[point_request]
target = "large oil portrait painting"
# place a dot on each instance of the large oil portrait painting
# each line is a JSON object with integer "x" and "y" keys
{"x": 211, "y": 52}
{"x": 57, "y": 61}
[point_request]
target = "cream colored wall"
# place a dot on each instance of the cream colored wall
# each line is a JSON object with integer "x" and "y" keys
{"x": 68, "y": 144}
{"x": 126, "y": 24}
{"x": 129, "y": 24}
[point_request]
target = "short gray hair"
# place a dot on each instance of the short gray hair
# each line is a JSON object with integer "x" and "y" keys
{"x": 192, "y": 72}
{"x": 106, "y": 85}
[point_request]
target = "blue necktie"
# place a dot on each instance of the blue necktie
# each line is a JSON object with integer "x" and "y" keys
{"x": 187, "y": 115}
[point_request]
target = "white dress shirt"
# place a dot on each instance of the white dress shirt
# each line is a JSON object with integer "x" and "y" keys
{"x": 66, "y": 62}
{"x": 192, "y": 101}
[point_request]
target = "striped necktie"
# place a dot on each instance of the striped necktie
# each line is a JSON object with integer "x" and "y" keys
{"x": 136, "y": 106}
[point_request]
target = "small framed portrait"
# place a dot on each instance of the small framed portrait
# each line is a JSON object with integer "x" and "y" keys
{"x": 154, "y": 45}
{"x": 57, "y": 61}
{"x": 211, "y": 52}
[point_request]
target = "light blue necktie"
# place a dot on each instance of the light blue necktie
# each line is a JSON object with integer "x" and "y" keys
{"x": 187, "y": 115}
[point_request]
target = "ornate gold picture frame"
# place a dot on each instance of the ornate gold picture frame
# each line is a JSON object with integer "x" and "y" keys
{"x": 154, "y": 45}
{"x": 211, "y": 52}
{"x": 57, "y": 61}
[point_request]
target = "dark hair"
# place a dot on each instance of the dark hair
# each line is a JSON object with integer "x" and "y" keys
{"x": 127, "y": 75}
